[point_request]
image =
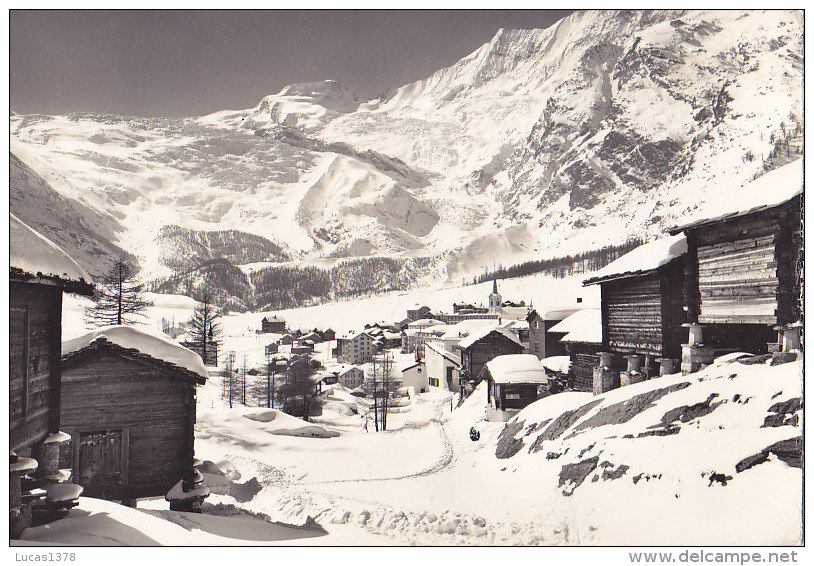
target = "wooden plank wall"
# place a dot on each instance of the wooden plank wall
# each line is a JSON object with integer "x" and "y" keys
{"x": 632, "y": 317}
{"x": 486, "y": 349}
{"x": 788, "y": 254}
{"x": 737, "y": 271}
{"x": 108, "y": 392}
{"x": 35, "y": 318}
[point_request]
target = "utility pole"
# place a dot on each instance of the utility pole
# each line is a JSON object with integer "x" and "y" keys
{"x": 230, "y": 360}
{"x": 375, "y": 396}
{"x": 243, "y": 379}
{"x": 268, "y": 379}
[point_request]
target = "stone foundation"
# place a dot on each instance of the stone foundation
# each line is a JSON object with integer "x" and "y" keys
{"x": 694, "y": 357}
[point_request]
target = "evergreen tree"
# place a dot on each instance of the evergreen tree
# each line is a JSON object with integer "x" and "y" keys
{"x": 204, "y": 326}
{"x": 118, "y": 298}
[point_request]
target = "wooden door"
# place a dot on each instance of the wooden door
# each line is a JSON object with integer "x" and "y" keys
{"x": 100, "y": 464}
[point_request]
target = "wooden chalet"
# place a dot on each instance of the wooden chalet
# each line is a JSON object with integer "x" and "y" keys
{"x": 642, "y": 303}
{"x": 272, "y": 324}
{"x": 132, "y": 437}
{"x": 582, "y": 336}
{"x": 39, "y": 273}
{"x": 514, "y": 382}
{"x": 483, "y": 345}
{"x": 742, "y": 275}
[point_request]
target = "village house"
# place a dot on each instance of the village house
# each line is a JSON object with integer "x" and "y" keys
{"x": 39, "y": 273}
{"x": 313, "y": 336}
{"x": 642, "y": 308}
{"x": 272, "y": 324}
{"x": 415, "y": 376}
{"x": 272, "y": 348}
{"x": 582, "y": 336}
{"x": 134, "y": 437}
{"x": 542, "y": 342}
{"x": 420, "y": 332}
{"x": 355, "y": 348}
{"x": 514, "y": 382}
{"x": 483, "y": 345}
{"x": 418, "y": 313}
{"x": 442, "y": 368}
{"x": 742, "y": 276}
{"x": 328, "y": 334}
{"x": 351, "y": 377}
{"x": 468, "y": 308}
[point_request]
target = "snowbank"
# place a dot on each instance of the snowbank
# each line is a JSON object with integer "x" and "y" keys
{"x": 702, "y": 453}
{"x": 155, "y": 344}
{"x": 277, "y": 422}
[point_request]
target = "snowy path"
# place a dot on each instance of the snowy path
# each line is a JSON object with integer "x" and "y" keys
{"x": 445, "y": 460}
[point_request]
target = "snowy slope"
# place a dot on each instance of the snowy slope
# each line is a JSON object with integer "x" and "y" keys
{"x": 541, "y": 142}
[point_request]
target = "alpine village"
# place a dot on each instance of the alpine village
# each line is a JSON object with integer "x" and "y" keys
{"x": 604, "y": 393}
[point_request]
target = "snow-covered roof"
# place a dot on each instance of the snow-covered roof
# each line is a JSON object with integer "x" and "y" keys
{"x": 517, "y": 368}
{"x": 559, "y": 364}
{"x": 155, "y": 344}
{"x": 411, "y": 366}
{"x": 516, "y": 325}
{"x": 582, "y": 326}
{"x": 466, "y": 327}
{"x": 484, "y": 331}
{"x": 425, "y": 322}
{"x": 558, "y": 313}
{"x": 643, "y": 259}
{"x": 451, "y": 356}
{"x": 767, "y": 191}
{"x": 274, "y": 318}
{"x": 33, "y": 253}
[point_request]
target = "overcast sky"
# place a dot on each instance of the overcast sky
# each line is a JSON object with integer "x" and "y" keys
{"x": 189, "y": 63}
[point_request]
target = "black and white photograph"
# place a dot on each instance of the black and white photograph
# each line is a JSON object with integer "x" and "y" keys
{"x": 407, "y": 277}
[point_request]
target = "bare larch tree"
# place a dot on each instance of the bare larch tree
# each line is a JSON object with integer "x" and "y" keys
{"x": 119, "y": 297}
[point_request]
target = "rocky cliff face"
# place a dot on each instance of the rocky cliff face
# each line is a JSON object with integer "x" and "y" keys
{"x": 606, "y": 125}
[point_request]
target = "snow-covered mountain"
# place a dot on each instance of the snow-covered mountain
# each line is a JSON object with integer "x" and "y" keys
{"x": 541, "y": 142}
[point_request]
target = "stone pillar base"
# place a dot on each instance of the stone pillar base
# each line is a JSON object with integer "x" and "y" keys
{"x": 605, "y": 379}
{"x": 694, "y": 357}
{"x": 631, "y": 377}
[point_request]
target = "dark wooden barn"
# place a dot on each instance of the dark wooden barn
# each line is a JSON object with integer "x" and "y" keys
{"x": 743, "y": 269}
{"x": 642, "y": 302}
{"x": 514, "y": 382}
{"x": 128, "y": 402}
{"x": 39, "y": 273}
{"x": 482, "y": 346}
{"x": 583, "y": 341}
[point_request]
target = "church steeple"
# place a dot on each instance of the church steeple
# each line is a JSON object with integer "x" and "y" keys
{"x": 495, "y": 300}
